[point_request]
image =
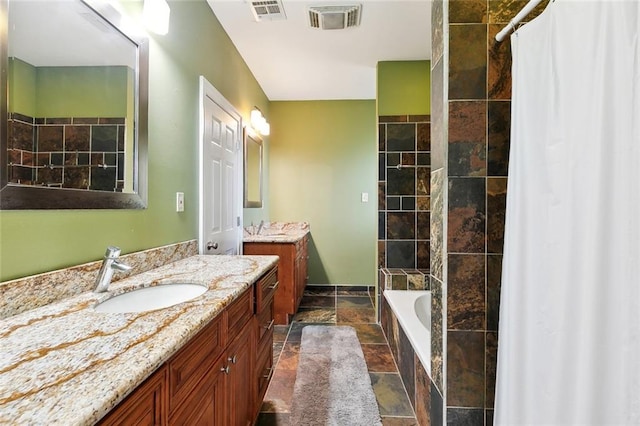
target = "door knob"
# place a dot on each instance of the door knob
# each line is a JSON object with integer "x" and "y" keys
{"x": 212, "y": 246}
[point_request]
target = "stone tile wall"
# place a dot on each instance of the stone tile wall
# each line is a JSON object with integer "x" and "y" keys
{"x": 471, "y": 89}
{"x": 404, "y": 154}
{"x": 71, "y": 152}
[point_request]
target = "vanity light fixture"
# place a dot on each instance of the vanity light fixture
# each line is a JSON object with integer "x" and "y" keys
{"x": 259, "y": 123}
{"x": 155, "y": 14}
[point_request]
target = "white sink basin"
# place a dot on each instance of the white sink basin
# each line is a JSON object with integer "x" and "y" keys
{"x": 151, "y": 298}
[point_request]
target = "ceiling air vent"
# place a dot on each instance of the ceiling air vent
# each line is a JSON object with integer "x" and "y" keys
{"x": 334, "y": 17}
{"x": 267, "y": 10}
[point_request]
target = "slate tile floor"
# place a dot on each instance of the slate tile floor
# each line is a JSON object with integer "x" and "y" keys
{"x": 338, "y": 306}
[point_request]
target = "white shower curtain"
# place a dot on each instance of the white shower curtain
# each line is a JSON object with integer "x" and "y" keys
{"x": 569, "y": 335}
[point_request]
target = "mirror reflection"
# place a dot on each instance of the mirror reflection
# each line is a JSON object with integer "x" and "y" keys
{"x": 252, "y": 170}
{"x": 72, "y": 104}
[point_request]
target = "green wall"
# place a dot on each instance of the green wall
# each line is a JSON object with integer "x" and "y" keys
{"x": 38, "y": 241}
{"x": 404, "y": 87}
{"x": 323, "y": 156}
{"x": 68, "y": 91}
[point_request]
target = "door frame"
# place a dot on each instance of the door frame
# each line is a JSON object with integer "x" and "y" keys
{"x": 206, "y": 89}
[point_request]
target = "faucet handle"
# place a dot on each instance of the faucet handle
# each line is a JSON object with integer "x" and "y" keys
{"x": 112, "y": 252}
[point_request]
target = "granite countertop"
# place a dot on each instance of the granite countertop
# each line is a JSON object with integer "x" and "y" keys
{"x": 276, "y": 232}
{"x": 65, "y": 363}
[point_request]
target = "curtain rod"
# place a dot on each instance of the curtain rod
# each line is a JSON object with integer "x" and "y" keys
{"x": 516, "y": 20}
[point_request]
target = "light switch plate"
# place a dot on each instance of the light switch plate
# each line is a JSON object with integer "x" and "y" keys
{"x": 365, "y": 197}
{"x": 179, "y": 201}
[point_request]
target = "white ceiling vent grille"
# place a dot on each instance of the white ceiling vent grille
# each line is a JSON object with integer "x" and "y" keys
{"x": 334, "y": 17}
{"x": 267, "y": 10}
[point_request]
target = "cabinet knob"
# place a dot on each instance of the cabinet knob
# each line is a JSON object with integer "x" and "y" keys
{"x": 232, "y": 359}
{"x": 225, "y": 369}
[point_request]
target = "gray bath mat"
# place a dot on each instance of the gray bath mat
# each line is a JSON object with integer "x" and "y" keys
{"x": 332, "y": 385}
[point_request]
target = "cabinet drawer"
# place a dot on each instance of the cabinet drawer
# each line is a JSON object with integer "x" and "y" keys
{"x": 191, "y": 363}
{"x": 265, "y": 321}
{"x": 266, "y": 288}
{"x": 239, "y": 312}
{"x": 264, "y": 367}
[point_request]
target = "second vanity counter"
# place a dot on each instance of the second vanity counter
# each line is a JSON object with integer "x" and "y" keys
{"x": 65, "y": 363}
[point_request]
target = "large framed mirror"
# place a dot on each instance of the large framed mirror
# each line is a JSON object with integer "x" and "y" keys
{"x": 73, "y": 113}
{"x": 252, "y": 170}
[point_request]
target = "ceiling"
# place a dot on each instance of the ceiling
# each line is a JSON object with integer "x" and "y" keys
{"x": 293, "y": 61}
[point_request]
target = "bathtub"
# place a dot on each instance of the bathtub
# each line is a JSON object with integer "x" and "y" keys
{"x": 413, "y": 310}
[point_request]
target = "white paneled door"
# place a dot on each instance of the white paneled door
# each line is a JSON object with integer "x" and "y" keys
{"x": 220, "y": 169}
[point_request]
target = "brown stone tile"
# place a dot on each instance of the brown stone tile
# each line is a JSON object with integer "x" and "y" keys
{"x": 289, "y": 356}
{"x": 424, "y": 136}
{"x": 423, "y": 203}
{"x": 379, "y": 358}
{"x": 465, "y": 368}
{"x": 468, "y": 11}
{"x": 502, "y": 11}
{"x": 468, "y": 61}
{"x": 490, "y": 366}
{"x": 77, "y": 138}
{"x": 496, "y": 209}
{"x": 423, "y": 225}
{"x": 423, "y": 181}
{"x": 494, "y": 277}
{"x": 401, "y": 137}
{"x": 355, "y": 301}
{"x": 369, "y": 333}
{"x": 416, "y": 281}
{"x": 390, "y": 394}
{"x": 382, "y": 253}
{"x": 466, "y": 216}
{"x": 467, "y": 138}
{"x": 423, "y": 258}
{"x": 315, "y": 315}
{"x": 382, "y": 195}
{"x": 422, "y": 406}
{"x": 280, "y": 391}
{"x": 399, "y": 282}
{"x": 352, "y": 290}
{"x": 406, "y": 365}
{"x": 280, "y": 333}
{"x": 317, "y": 301}
{"x": 466, "y": 292}
{"x": 320, "y": 290}
{"x": 76, "y": 177}
{"x": 382, "y": 136}
{"x": 50, "y": 138}
{"x": 437, "y": 333}
{"x": 401, "y": 182}
{"x": 393, "y": 119}
{"x": 356, "y": 315}
{"x": 499, "y": 66}
{"x": 277, "y": 350}
{"x": 419, "y": 118}
{"x": 499, "y": 122}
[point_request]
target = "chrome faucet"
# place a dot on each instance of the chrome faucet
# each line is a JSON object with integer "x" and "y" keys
{"x": 109, "y": 264}
{"x": 260, "y": 227}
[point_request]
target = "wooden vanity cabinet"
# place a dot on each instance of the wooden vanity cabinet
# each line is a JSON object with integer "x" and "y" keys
{"x": 215, "y": 378}
{"x": 292, "y": 274}
{"x": 147, "y": 406}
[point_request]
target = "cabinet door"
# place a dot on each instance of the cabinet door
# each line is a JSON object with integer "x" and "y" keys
{"x": 206, "y": 404}
{"x": 241, "y": 361}
{"x": 144, "y": 407}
